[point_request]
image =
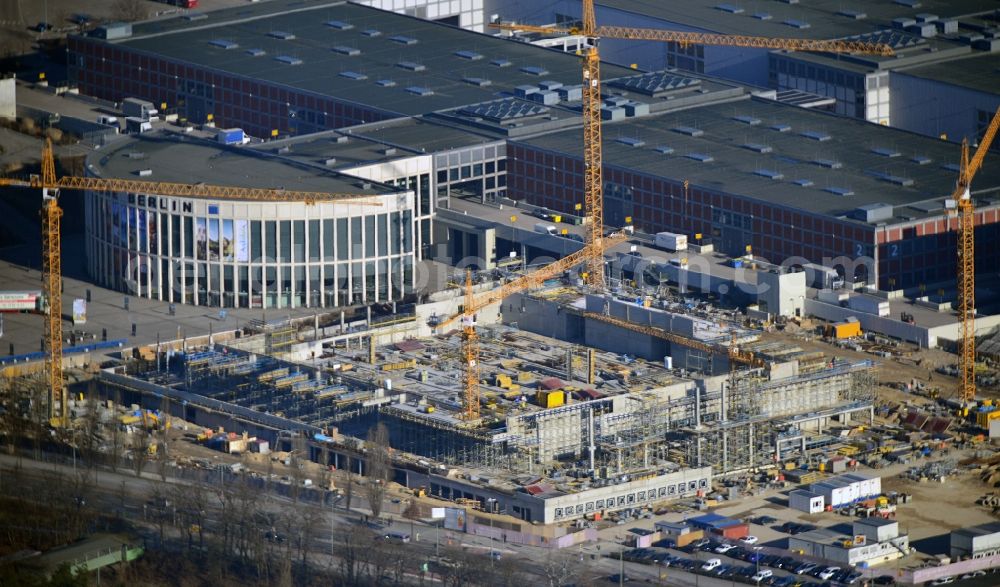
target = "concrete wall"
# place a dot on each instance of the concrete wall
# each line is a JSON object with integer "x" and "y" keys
{"x": 8, "y": 98}
{"x": 542, "y": 317}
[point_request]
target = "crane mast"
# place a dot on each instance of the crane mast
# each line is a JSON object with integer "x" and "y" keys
{"x": 967, "y": 260}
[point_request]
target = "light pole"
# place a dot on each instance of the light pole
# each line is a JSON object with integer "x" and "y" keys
{"x": 756, "y": 550}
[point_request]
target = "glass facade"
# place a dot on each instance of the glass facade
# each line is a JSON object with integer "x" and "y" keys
{"x": 202, "y": 253}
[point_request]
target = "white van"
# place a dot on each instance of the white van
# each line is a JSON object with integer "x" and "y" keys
{"x": 711, "y": 564}
{"x": 761, "y": 575}
{"x": 108, "y": 120}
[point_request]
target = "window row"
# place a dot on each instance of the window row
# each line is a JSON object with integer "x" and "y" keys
{"x": 665, "y": 492}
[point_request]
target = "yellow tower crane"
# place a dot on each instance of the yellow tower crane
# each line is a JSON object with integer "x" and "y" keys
{"x": 967, "y": 259}
{"x": 52, "y": 247}
{"x": 593, "y": 186}
{"x": 474, "y": 303}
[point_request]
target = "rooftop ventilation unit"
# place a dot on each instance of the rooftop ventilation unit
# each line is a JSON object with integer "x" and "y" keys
{"x": 339, "y": 25}
{"x": 630, "y": 141}
{"x": 353, "y": 75}
{"x": 700, "y": 157}
{"x": 281, "y": 35}
{"x": 729, "y": 8}
{"x": 886, "y": 152}
{"x": 815, "y": 135}
{"x": 420, "y": 91}
{"x": 501, "y": 63}
{"x": 411, "y": 66}
{"x": 470, "y": 55}
{"x": 256, "y": 52}
{"x": 288, "y": 60}
{"x": 385, "y": 83}
{"x": 796, "y": 24}
{"x": 223, "y": 44}
{"x": 839, "y": 191}
{"x": 747, "y": 120}
{"x": 664, "y": 150}
{"x": 388, "y": 151}
{"x": 758, "y": 148}
{"x": 371, "y": 32}
{"x": 828, "y": 163}
{"x": 534, "y": 70}
{"x": 344, "y": 50}
{"x": 781, "y": 127}
{"x": 769, "y": 174}
{"x": 688, "y": 130}
{"x": 403, "y": 40}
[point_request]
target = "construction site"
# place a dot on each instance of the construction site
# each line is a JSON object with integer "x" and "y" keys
{"x": 549, "y": 392}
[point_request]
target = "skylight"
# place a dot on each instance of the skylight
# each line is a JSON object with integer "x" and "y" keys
{"x": 371, "y": 33}
{"x": 803, "y": 182}
{"x": 403, "y": 40}
{"x": 828, "y": 163}
{"x": 688, "y": 130}
{"x": 855, "y": 14}
{"x": 411, "y": 65}
{"x": 839, "y": 191}
{"x": 385, "y": 83}
{"x": 353, "y": 75}
{"x": 339, "y": 25}
{"x": 758, "y": 148}
{"x": 470, "y": 55}
{"x": 630, "y": 141}
{"x": 762, "y": 15}
{"x": 921, "y": 159}
{"x": 288, "y": 59}
{"x": 700, "y": 157}
{"x": 345, "y": 50}
{"x": 420, "y": 91}
{"x": 815, "y": 135}
{"x": 281, "y": 35}
{"x": 769, "y": 174}
{"x": 256, "y": 52}
{"x": 752, "y": 121}
{"x": 886, "y": 152}
{"x": 890, "y": 178}
{"x": 501, "y": 63}
{"x": 477, "y": 81}
{"x": 796, "y": 24}
{"x": 731, "y": 9}
{"x": 534, "y": 70}
{"x": 664, "y": 150}
{"x": 223, "y": 44}
{"x": 781, "y": 127}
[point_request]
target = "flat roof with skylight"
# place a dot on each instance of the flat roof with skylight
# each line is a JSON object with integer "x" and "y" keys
{"x": 794, "y": 157}
{"x": 347, "y": 51}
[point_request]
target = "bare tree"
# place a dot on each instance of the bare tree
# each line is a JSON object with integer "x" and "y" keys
{"x": 351, "y": 550}
{"x": 559, "y": 568}
{"x": 128, "y": 10}
{"x": 139, "y": 450}
{"x": 379, "y": 466}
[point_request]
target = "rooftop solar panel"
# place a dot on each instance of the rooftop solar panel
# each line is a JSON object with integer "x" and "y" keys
{"x": 654, "y": 84}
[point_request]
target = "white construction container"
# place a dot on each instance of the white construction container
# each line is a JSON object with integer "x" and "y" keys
{"x": 869, "y": 305}
{"x": 806, "y": 501}
{"x": 670, "y": 241}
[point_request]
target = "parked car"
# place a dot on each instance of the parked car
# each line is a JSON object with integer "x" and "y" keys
{"x": 618, "y": 578}
{"x": 762, "y": 575}
{"x": 749, "y": 539}
{"x": 944, "y": 581}
{"x": 804, "y": 568}
{"x": 884, "y": 580}
{"x": 764, "y": 520}
{"x": 724, "y": 548}
{"x": 828, "y": 573}
{"x": 711, "y": 564}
